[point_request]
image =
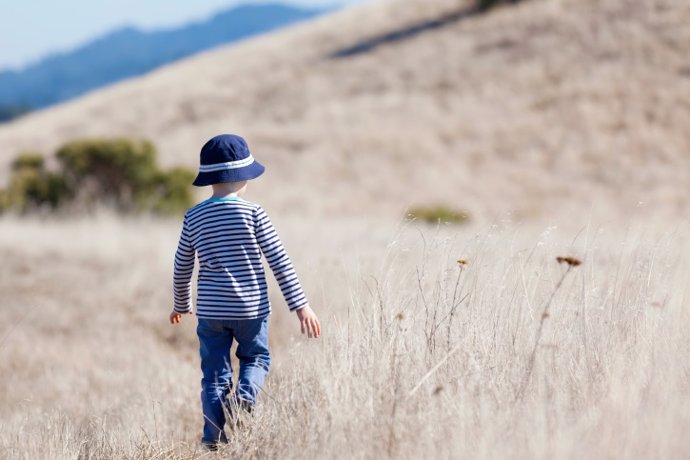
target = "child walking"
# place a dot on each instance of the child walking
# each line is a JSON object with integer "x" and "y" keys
{"x": 228, "y": 235}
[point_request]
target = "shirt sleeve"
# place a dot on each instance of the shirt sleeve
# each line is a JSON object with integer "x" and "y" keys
{"x": 182, "y": 275}
{"x": 277, "y": 258}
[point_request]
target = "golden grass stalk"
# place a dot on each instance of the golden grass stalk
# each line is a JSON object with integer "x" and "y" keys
{"x": 572, "y": 262}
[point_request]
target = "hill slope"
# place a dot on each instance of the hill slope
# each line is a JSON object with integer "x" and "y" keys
{"x": 129, "y": 52}
{"x": 570, "y": 106}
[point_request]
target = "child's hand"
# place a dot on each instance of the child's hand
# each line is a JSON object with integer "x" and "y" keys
{"x": 176, "y": 317}
{"x": 309, "y": 321}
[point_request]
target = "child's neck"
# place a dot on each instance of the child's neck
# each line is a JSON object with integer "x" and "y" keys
{"x": 228, "y": 190}
{"x": 225, "y": 195}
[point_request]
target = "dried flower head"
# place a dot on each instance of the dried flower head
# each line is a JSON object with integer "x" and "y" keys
{"x": 438, "y": 390}
{"x": 463, "y": 262}
{"x": 400, "y": 316}
{"x": 572, "y": 261}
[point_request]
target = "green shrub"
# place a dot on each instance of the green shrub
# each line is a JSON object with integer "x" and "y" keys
{"x": 486, "y": 5}
{"x": 28, "y": 160}
{"x": 170, "y": 193}
{"x": 31, "y": 186}
{"x": 117, "y": 172}
{"x": 437, "y": 214}
{"x": 109, "y": 170}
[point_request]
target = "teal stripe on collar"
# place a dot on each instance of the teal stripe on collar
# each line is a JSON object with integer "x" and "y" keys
{"x": 230, "y": 198}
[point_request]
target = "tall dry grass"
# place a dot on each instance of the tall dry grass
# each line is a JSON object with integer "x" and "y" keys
{"x": 421, "y": 357}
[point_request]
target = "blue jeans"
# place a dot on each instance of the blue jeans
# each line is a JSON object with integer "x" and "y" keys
{"x": 215, "y": 340}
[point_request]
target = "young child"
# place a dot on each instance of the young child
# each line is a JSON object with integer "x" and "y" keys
{"x": 229, "y": 235}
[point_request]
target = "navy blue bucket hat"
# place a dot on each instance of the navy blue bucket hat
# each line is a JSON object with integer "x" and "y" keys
{"x": 226, "y": 158}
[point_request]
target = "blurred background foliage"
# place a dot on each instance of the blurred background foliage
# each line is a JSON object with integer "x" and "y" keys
{"x": 119, "y": 173}
{"x": 485, "y": 5}
{"x": 438, "y": 214}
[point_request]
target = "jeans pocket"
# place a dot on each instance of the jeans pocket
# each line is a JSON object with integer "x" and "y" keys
{"x": 205, "y": 326}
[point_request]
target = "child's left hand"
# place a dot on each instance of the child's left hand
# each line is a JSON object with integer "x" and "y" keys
{"x": 176, "y": 317}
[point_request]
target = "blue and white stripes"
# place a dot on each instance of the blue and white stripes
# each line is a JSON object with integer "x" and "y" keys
{"x": 227, "y": 165}
{"x": 229, "y": 236}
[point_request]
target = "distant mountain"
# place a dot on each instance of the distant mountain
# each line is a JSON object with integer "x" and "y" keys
{"x": 129, "y": 52}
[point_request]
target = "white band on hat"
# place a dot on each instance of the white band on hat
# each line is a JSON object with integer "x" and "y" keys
{"x": 228, "y": 165}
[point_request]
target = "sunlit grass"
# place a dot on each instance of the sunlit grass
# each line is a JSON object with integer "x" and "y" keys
{"x": 422, "y": 356}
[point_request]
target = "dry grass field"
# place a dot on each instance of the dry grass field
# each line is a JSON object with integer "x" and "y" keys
{"x": 560, "y": 126}
{"x": 421, "y": 357}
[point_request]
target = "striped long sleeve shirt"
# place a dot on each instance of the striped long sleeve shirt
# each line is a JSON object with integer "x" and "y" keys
{"x": 228, "y": 236}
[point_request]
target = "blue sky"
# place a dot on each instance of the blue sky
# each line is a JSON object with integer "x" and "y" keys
{"x": 30, "y": 29}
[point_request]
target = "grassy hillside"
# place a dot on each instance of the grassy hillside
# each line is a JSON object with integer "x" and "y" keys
{"x": 570, "y": 107}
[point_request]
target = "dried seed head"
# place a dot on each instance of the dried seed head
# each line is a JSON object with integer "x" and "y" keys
{"x": 545, "y": 315}
{"x": 463, "y": 262}
{"x": 400, "y": 316}
{"x": 437, "y": 390}
{"x": 572, "y": 261}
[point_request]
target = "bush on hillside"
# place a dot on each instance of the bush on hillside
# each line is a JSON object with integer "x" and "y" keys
{"x": 121, "y": 173}
{"x": 31, "y": 185}
{"x": 437, "y": 215}
{"x": 174, "y": 186}
{"x": 30, "y": 160}
{"x": 485, "y": 5}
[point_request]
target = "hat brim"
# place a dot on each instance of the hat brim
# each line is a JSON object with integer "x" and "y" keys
{"x": 250, "y": 172}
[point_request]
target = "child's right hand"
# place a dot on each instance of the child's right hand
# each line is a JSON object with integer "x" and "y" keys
{"x": 309, "y": 322}
{"x": 176, "y": 317}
